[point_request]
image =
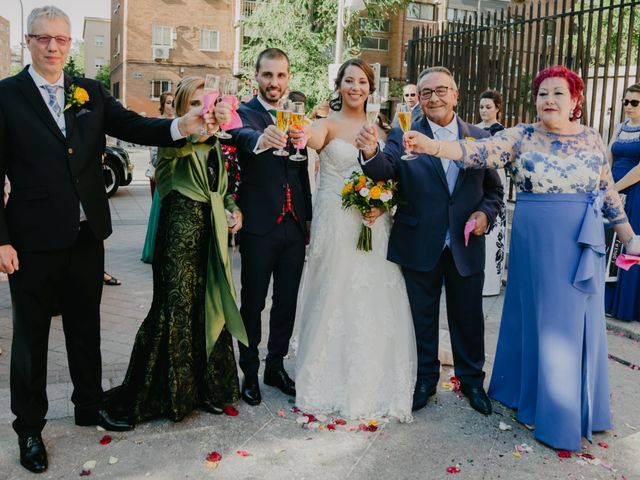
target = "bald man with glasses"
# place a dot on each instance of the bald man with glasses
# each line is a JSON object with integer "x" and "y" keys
{"x": 410, "y": 97}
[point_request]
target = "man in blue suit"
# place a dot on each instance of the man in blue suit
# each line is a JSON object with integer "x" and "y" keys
{"x": 275, "y": 198}
{"x": 427, "y": 238}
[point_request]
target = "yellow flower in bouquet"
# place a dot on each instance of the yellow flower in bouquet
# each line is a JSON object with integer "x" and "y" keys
{"x": 364, "y": 194}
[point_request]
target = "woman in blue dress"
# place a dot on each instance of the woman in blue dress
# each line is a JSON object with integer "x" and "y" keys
{"x": 551, "y": 357}
{"x": 622, "y": 297}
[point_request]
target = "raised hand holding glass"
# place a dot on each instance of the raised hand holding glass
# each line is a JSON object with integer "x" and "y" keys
{"x": 404, "y": 119}
{"x": 283, "y": 117}
{"x": 296, "y": 118}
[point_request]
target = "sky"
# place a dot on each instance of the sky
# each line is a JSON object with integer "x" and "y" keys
{"x": 76, "y": 9}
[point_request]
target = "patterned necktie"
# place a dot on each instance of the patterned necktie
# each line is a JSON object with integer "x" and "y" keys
{"x": 52, "y": 90}
{"x": 451, "y": 175}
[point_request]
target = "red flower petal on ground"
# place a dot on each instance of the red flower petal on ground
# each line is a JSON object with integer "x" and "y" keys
{"x": 310, "y": 416}
{"x": 372, "y": 428}
{"x": 105, "y": 440}
{"x": 564, "y": 454}
{"x": 363, "y": 428}
{"x": 295, "y": 410}
{"x": 453, "y": 469}
{"x": 85, "y": 473}
{"x": 331, "y": 426}
{"x": 587, "y": 456}
{"x": 231, "y": 411}
{"x": 242, "y": 453}
{"x": 214, "y": 457}
{"x": 339, "y": 421}
{"x": 603, "y": 445}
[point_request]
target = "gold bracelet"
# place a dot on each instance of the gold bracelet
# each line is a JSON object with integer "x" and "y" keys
{"x": 438, "y": 150}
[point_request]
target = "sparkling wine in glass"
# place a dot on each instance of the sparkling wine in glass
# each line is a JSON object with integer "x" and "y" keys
{"x": 229, "y": 95}
{"x": 296, "y": 118}
{"x": 373, "y": 111}
{"x": 211, "y": 92}
{"x": 283, "y": 117}
{"x": 404, "y": 119}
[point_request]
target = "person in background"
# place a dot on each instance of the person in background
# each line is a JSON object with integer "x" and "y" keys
{"x": 490, "y": 109}
{"x": 410, "y": 97}
{"x": 551, "y": 358}
{"x": 622, "y": 298}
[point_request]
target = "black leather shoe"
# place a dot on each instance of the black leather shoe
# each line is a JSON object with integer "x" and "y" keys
{"x": 478, "y": 399}
{"x": 421, "y": 395}
{"x": 277, "y": 377}
{"x": 33, "y": 455}
{"x": 102, "y": 418}
{"x": 212, "y": 408}
{"x": 251, "y": 390}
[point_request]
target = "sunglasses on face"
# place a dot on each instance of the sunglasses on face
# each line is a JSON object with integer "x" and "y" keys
{"x": 61, "y": 40}
{"x": 634, "y": 103}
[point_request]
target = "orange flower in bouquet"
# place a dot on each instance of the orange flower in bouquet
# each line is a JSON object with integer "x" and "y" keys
{"x": 364, "y": 194}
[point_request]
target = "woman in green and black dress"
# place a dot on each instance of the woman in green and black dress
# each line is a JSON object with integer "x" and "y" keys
{"x": 183, "y": 356}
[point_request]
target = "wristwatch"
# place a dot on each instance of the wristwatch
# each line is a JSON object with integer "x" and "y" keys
{"x": 632, "y": 247}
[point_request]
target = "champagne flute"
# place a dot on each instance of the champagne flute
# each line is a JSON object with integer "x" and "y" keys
{"x": 404, "y": 119}
{"x": 229, "y": 95}
{"x": 211, "y": 92}
{"x": 297, "y": 121}
{"x": 373, "y": 111}
{"x": 283, "y": 117}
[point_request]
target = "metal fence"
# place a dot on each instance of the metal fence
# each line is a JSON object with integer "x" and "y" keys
{"x": 504, "y": 50}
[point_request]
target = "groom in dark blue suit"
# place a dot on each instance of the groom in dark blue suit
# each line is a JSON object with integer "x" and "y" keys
{"x": 427, "y": 238}
{"x": 275, "y": 199}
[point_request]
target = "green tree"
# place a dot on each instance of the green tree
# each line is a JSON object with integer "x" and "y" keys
{"x": 72, "y": 69}
{"x": 306, "y": 30}
{"x": 104, "y": 75}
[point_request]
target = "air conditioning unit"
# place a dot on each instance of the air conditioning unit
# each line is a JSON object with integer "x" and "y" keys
{"x": 160, "y": 52}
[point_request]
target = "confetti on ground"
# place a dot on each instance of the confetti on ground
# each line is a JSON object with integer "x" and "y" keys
{"x": 516, "y": 454}
{"x": 504, "y": 427}
{"x": 113, "y": 460}
{"x": 231, "y": 411}
{"x": 564, "y": 454}
{"x": 524, "y": 448}
{"x": 106, "y": 440}
{"x": 603, "y": 445}
{"x": 242, "y": 453}
{"x": 85, "y": 473}
{"x": 214, "y": 457}
{"x": 331, "y": 426}
{"x": 340, "y": 421}
{"x": 90, "y": 465}
{"x": 281, "y": 413}
{"x": 453, "y": 469}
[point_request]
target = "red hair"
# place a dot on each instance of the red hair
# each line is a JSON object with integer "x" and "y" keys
{"x": 574, "y": 82}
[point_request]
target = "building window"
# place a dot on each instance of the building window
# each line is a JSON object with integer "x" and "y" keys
{"x": 384, "y": 71}
{"x": 98, "y": 40}
{"x": 117, "y": 45}
{"x": 421, "y": 11}
{"x": 209, "y": 40}
{"x": 162, "y": 36}
{"x": 456, "y": 14}
{"x": 98, "y": 62}
{"x": 375, "y": 43}
{"x": 158, "y": 87}
{"x": 115, "y": 89}
{"x": 383, "y": 26}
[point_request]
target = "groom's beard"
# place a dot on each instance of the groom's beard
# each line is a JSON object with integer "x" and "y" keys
{"x": 271, "y": 94}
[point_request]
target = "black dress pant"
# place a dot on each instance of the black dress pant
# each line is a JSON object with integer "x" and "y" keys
{"x": 70, "y": 278}
{"x": 279, "y": 253}
{"x": 464, "y": 313}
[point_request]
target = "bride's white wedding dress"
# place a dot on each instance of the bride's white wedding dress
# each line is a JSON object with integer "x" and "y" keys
{"x": 357, "y": 348}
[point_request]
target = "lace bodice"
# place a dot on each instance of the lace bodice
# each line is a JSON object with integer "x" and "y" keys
{"x": 338, "y": 159}
{"x": 540, "y": 161}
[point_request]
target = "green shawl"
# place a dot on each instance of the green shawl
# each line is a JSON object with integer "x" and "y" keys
{"x": 185, "y": 169}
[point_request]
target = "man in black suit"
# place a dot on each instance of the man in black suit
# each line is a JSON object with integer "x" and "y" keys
{"x": 275, "y": 198}
{"x": 55, "y": 221}
{"x": 427, "y": 238}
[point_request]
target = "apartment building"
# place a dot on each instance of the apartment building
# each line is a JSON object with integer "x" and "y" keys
{"x": 388, "y": 42}
{"x": 97, "y": 45}
{"x": 5, "y": 48}
{"x": 155, "y": 43}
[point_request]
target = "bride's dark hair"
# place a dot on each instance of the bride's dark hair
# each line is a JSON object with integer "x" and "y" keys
{"x": 336, "y": 103}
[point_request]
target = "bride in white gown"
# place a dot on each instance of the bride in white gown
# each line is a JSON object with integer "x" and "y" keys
{"x": 357, "y": 348}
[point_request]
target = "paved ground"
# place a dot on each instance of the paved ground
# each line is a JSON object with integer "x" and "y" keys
{"x": 446, "y": 433}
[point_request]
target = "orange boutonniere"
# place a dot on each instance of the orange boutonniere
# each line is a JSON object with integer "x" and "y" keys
{"x": 76, "y": 97}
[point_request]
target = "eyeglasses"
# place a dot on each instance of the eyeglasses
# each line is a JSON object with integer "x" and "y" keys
{"x": 409, "y": 94}
{"x": 634, "y": 103}
{"x": 426, "y": 93}
{"x": 61, "y": 40}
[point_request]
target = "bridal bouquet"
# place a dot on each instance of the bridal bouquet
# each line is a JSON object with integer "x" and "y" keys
{"x": 364, "y": 194}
